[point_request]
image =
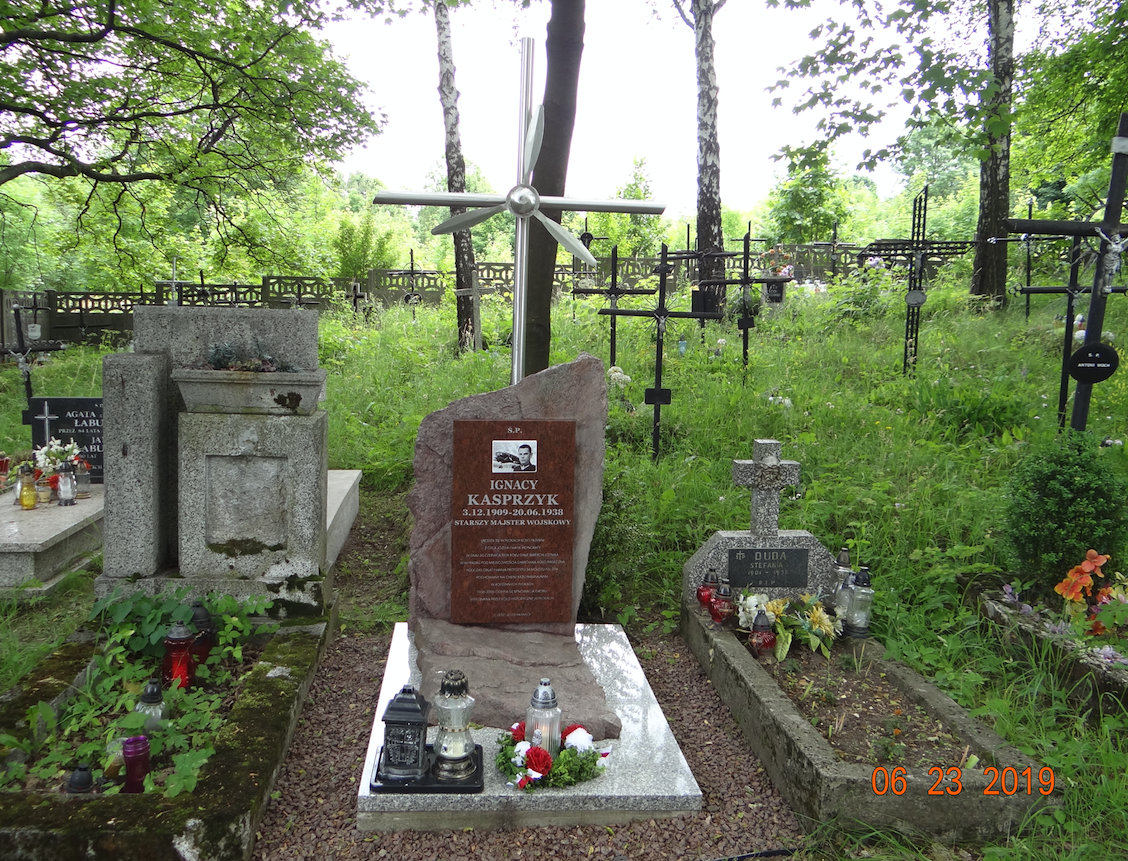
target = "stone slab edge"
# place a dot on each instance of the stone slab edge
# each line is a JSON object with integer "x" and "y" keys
{"x": 820, "y": 787}
{"x": 214, "y": 829}
{"x": 341, "y": 507}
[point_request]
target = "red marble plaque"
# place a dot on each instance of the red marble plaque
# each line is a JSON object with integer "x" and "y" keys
{"x": 511, "y": 522}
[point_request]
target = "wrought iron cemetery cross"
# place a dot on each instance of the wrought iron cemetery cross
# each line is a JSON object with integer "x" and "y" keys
{"x": 523, "y": 202}
{"x": 1094, "y": 362}
{"x": 658, "y": 395}
{"x": 613, "y": 293}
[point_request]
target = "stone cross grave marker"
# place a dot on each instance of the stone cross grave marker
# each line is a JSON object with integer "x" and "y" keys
{"x": 780, "y": 563}
{"x": 767, "y": 475}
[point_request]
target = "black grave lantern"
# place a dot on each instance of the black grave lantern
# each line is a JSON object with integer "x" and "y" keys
{"x": 404, "y": 754}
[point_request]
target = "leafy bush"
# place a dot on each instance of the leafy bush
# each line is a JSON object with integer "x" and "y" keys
{"x": 1062, "y": 500}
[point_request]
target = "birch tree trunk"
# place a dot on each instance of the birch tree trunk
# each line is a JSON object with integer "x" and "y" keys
{"x": 464, "y": 263}
{"x": 710, "y": 235}
{"x": 989, "y": 277}
{"x": 564, "y": 46}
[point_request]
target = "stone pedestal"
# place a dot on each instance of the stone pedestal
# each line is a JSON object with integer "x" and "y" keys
{"x": 252, "y": 495}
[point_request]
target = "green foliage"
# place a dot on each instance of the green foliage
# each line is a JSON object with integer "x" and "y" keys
{"x": 132, "y": 628}
{"x": 635, "y": 235}
{"x": 360, "y": 247}
{"x": 1062, "y": 500}
{"x": 807, "y": 205}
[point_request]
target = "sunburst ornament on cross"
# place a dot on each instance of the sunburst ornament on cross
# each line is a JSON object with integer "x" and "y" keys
{"x": 523, "y": 203}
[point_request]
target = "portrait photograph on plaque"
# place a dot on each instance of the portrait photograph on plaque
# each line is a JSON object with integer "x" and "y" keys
{"x": 513, "y": 492}
{"x": 515, "y": 455}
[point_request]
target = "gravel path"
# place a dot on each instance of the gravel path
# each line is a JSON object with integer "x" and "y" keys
{"x": 313, "y": 814}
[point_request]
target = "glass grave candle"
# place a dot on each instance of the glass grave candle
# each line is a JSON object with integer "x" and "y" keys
{"x": 28, "y": 496}
{"x": 707, "y": 588}
{"x": 205, "y": 633}
{"x": 152, "y": 703}
{"x": 721, "y": 606}
{"x": 454, "y": 746}
{"x": 763, "y": 638}
{"x": 856, "y": 623}
{"x": 177, "y": 667}
{"x": 136, "y": 753}
{"x": 82, "y": 481}
{"x": 68, "y": 488}
{"x": 542, "y": 719}
{"x": 80, "y": 780}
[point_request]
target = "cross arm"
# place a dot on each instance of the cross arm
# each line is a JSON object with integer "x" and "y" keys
{"x": 450, "y": 198}
{"x": 1060, "y": 228}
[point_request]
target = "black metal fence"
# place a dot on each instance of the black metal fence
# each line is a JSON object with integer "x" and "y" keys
{"x": 77, "y": 317}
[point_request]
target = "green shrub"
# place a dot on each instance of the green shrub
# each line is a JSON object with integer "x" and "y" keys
{"x": 1062, "y": 500}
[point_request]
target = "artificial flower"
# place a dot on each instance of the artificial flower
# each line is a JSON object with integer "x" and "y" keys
{"x": 539, "y": 760}
{"x": 568, "y": 730}
{"x": 1075, "y": 582}
{"x": 820, "y": 621}
{"x": 1093, "y": 562}
{"x": 518, "y": 731}
{"x": 748, "y": 605}
{"x": 579, "y": 739}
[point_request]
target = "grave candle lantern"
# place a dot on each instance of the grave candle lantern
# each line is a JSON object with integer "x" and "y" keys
{"x": 856, "y": 623}
{"x": 82, "y": 481}
{"x": 707, "y": 588}
{"x": 136, "y": 752}
{"x": 721, "y": 607}
{"x": 177, "y": 665}
{"x": 68, "y": 488}
{"x": 404, "y": 754}
{"x": 80, "y": 780}
{"x": 762, "y": 638}
{"x": 542, "y": 720}
{"x": 205, "y": 633}
{"x": 28, "y": 497}
{"x": 454, "y": 746}
{"x": 152, "y": 703}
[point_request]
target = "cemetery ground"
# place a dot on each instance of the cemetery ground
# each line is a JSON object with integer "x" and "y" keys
{"x": 908, "y": 471}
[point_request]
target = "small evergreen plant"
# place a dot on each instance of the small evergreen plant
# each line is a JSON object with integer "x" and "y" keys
{"x": 1061, "y": 500}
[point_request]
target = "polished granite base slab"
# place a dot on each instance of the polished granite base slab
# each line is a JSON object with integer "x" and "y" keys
{"x": 39, "y": 546}
{"x": 646, "y": 775}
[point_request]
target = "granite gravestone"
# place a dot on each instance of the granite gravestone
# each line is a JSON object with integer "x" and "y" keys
{"x": 214, "y": 497}
{"x": 508, "y": 487}
{"x": 765, "y": 559}
{"x": 511, "y": 521}
{"x": 70, "y": 419}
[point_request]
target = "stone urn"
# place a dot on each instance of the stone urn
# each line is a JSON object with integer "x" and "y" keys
{"x": 276, "y": 393}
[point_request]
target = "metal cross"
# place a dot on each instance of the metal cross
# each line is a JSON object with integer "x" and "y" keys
{"x": 46, "y": 422}
{"x": 658, "y": 395}
{"x": 1112, "y": 235}
{"x": 523, "y": 202}
{"x": 613, "y": 293}
{"x": 767, "y": 475}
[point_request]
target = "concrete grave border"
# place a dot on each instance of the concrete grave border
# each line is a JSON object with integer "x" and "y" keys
{"x": 822, "y": 788}
{"x": 216, "y": 822}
